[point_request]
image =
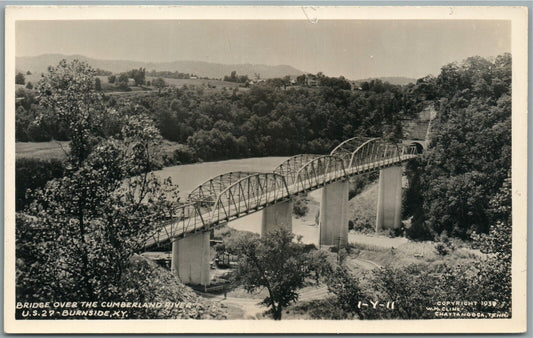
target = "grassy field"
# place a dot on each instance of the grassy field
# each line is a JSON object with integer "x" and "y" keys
{"x": 57, "y": 149}
{"x": 42, "y": 150}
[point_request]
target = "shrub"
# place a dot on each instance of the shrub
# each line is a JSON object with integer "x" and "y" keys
{"x": 441, "y": 249}
{"x": 300, "y": 206}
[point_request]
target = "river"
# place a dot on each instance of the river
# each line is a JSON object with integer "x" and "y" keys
{"x": 189, "y": 176}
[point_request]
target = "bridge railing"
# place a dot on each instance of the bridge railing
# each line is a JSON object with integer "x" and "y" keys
{"x": 249, "y": 194}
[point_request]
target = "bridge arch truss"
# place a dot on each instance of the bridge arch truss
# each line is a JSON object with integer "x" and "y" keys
{"x": 206, "y": 193}
{"x": 378, "y": 152}
{"x": 290, "y": 167}
{"x": 318, "y": 172}
{"x": 346, "y": 148}
{"x": 248, "y": 195}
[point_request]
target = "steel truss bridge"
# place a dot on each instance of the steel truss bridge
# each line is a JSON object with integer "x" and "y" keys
{"x": 236, "y": 194}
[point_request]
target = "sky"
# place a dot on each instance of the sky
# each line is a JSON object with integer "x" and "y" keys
{"x": 355, "y": 49}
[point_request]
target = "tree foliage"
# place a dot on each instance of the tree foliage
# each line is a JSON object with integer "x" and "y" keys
{"x": 470, "y": 151}
{"x": 76, "y": 238}
{"x": 20, "y": 79}
{"x": 122, "y": 82}
{"x": 233, "y": 77}
{"x": 97, "y": 84}
{"x": 159, "y": 83}
{"x": 269, "y": 121}
{"x": 138, "y": 75}
{"x": 275, "y": 263}
{"x": 32, "y": 174}
{"x": 68, "y": 94}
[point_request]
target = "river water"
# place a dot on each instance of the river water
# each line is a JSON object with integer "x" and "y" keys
{"x": 189, "y": 176}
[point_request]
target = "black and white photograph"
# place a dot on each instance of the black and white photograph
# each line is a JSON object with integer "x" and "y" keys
{"x": 265, "y": 169}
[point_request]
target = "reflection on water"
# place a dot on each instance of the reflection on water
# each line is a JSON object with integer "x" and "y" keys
{"x": 189, "y": 176}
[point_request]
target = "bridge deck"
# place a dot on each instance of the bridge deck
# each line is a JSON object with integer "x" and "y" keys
{"x": 207, "y": 220}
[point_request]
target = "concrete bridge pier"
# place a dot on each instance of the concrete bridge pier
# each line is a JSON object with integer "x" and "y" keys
{"x": 334, "y": 214}
{"x": 389, "y": 206}
{"x": 277, "y": 215}
{"x": 191, "y": 258}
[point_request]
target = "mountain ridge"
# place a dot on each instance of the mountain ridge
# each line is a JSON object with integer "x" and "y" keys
{"x": 40, "y": 63}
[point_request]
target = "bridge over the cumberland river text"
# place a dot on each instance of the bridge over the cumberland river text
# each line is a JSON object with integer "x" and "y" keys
{"x": 236, "y": 194}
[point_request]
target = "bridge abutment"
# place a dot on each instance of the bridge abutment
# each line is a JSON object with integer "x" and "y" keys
{"x": 191, "y": 258}
{"x": 277, "y": 215}
{"x": 389, "y": 206}
{"x": 334, "y": 214}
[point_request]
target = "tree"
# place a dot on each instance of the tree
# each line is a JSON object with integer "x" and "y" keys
{"x": 159, "y": 83}
{"x": 286, "y": 81}
{"x": 97, "y": 84}
{"x": 19, "y": 79}
{"x": 273, "y": 262}
{"x": 236, "y": 78}
{"x": 68, "y": 94}
{"x": 300, "y": 80}
{"x": 122, "y": 82}
{"x": 77, "y": 237}
{"x": 29, "y": 85}
{"x": 138, "y": 75}
{"x": 111, "y": 78}
{"x": 232, "y": 77}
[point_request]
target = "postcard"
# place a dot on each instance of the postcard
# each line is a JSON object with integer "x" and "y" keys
{"x": 265, "y": 169}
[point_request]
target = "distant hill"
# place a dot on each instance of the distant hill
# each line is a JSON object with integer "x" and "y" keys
{"x": 39, "y": 64}
{"x": 394, "y": 80}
